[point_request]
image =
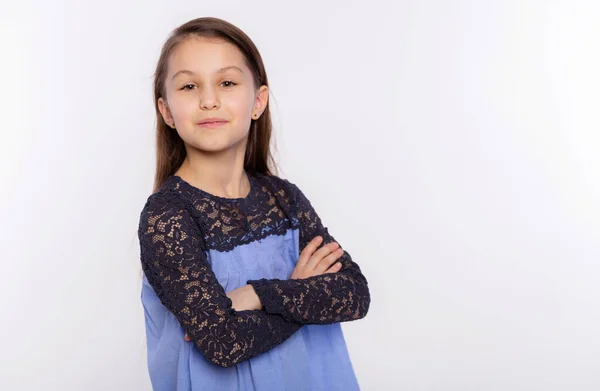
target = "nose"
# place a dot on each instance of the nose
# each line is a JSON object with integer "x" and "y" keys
{"x": 209, "y": 99}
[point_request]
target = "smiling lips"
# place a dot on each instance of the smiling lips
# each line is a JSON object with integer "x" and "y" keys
{"x": 212, "y": 122}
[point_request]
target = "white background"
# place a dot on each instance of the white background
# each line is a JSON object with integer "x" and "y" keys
{"x": 452, "y": 147}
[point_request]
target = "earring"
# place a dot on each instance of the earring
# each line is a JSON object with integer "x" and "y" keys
{"x": 255, "y": 115}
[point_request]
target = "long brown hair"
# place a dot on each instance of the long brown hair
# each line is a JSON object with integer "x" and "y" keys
{"x": 170, "y": 148}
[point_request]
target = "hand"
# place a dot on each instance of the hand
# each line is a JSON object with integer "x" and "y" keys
{"x": 314, "y": 263}
{"x": 242, "y": 298}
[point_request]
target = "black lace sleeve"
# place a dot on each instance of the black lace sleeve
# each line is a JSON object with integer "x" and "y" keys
{"x": 176, "y": 267}
{"x": 328, "y": 298}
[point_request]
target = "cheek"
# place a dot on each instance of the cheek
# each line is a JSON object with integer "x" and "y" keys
{"x": 240, "y": 105}
{"x": 182, "y": 108}
{"x": 241, "y": 101}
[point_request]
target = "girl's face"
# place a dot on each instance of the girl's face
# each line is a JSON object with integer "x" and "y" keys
{"x": 209, "y": 79}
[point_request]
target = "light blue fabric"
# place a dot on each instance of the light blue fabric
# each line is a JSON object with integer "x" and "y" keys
{"x": 313, "y": 359}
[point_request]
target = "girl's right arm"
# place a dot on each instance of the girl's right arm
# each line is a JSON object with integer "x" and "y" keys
{"x": 176, "y": 267}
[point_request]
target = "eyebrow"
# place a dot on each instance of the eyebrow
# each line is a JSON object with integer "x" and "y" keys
{"x": 224, "y": 69}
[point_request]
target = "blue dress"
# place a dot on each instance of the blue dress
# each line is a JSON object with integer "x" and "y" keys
{"x": 195, "y": 247}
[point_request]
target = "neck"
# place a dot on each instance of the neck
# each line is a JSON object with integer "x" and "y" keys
{"x": 221, "y": 174}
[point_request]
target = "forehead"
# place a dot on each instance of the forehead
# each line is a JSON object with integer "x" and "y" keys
{"x": 205, "y": 56}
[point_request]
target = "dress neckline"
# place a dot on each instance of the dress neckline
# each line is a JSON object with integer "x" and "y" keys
{"x": 208, "y": 195}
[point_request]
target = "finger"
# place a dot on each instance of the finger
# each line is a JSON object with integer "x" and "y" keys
{"x": 308, "y": 250}
{"x": 320, "y": 254}
{"x": 329, "y": 260}
{"x": 334, "y": 268}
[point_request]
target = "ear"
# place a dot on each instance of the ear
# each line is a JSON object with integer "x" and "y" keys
{"x": 163, "y": 107}
{"x": 262, "y": 97}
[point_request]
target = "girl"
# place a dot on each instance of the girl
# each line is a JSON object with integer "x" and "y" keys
{"x": 236, "y": 260}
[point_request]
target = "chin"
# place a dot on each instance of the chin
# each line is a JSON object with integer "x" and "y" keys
{"x": 216, "y": 144}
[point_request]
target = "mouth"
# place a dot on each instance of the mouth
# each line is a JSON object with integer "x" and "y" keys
{"x": 211, "y": 124}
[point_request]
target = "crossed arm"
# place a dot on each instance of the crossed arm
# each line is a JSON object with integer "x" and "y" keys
{"x": 233, "y": 327}
{"x": 327, "y": 298}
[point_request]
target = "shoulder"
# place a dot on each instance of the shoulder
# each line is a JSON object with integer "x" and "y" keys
{"x": 169, "y": 195}
{"x": 287, "y": 193}
{"x": 165, "y": 204}
{"x": 279, "y": 185}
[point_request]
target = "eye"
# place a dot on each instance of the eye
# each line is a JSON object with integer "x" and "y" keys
{"x": 228, "y": 84}
{"x": 231, "y": 84}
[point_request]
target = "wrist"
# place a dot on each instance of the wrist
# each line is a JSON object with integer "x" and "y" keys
{"x": 255, "y": 299}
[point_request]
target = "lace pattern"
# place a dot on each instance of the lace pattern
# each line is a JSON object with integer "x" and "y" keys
{"x": 328, "y": 298}
{"x": 174, "y": 261}
{"x": 180, "y": 223}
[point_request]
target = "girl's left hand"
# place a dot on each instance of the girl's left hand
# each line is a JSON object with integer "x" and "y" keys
{"x": 242, "y": 299}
